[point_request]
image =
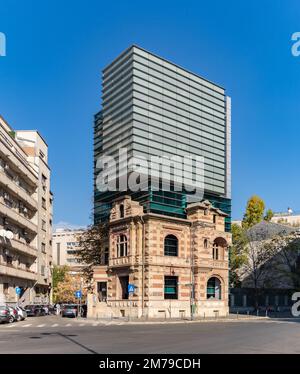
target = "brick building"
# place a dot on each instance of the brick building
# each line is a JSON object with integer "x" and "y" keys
{"x": 175, "y": 264}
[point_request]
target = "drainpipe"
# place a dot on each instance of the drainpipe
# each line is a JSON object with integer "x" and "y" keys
{"x": 192, "y": 247}
{"x": 143, "y": 265}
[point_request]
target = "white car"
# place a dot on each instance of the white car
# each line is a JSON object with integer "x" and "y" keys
{"x": 21, "y": 313}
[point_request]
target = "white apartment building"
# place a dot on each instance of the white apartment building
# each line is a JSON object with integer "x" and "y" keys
{"x": 25, "y": 217}
{"x": 66, "y": 247}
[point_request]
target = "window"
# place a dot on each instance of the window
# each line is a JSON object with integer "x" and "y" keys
{"x": 122, "y": 246}
{"x": 102, "y": 291}
{"x": 43, "y": 225}
{"x": 124, "y": 281}
{"x": 43, "y": 203}
{"x": 121, "y": 211}
{"x": 171, "y": 245}
{"x": 205, "y": 244}
{"x": 72, "y": 252}
{"x": 214, "y": 218}
{"x": 171, "y": 287}
{"x": 43, "y": 270}
{"x": 43, "y": 247}
{"x": 106, "y": 256}
{"x": 44, "y": 182}
{"x": 219, "y": 247}
{"x": 5, "y": 289}
{"x": 213, "y": 290}
{"x": 9, "y": 260}
{"x": 215, "y": 251}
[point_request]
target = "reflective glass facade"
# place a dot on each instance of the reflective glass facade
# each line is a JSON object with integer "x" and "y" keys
{"x": 152, "y": 107}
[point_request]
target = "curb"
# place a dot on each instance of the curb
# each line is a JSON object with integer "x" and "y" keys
{"x": 122, "y": 322}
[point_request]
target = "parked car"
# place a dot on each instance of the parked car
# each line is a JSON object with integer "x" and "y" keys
{"x": 21, "y": 313}
{"x": 13, "y": 313}
{"x": 5, "y": 315}
{"x": 34, "y": 310}
{"x": 69, "y": 310}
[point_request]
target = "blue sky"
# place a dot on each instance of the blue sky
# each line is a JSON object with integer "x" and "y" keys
{"x": 50, "y": 81}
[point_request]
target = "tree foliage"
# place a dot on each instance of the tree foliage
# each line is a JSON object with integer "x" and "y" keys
{"x": 286, "y": 259}
{"x": 65, "y": 290}
{"x": 254, "y": 212}
{"x": 58, "y": 274}
{"x": 237, "y": 254}
{"x": 269, "y": 215}
{"x": 92, "y": 243}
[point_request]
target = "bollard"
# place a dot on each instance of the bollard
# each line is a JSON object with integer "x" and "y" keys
{"x": 237, "y": 314}
{"x": 266, "y": 312}
{"x": 257, "y": 312}
{"x": 248, "y": 313}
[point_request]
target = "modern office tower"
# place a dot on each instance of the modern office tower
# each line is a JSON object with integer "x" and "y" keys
{"x": 153, "y": 107}
{"x": 25, "y": 217}
{"x": 65, "y": 248}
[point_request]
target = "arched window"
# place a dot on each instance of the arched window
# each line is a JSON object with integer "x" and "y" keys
{"x": 121, "y": 211}
{"x": 213, "y": 290}
{"x": 122, "y": 245}
{"x": 215, "y": 251}
{"x": 205, "y": 244}
{"x": 219, "y": 247}
{"x": 171, "y": 245}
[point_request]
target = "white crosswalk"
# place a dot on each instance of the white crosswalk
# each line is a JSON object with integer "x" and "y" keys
{"x": 21, "y": 325}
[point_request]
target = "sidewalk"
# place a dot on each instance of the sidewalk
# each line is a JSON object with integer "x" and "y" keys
{"x": 149, "y": 321}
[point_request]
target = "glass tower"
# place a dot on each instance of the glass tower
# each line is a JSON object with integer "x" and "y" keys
{"x": 152, "y": 107}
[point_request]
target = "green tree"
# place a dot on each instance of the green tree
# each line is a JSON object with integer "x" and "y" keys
{"x": 254, "y": 212}
{"x": 237, "y": 254}
{"x": 93, "y": 244}
{"x": 269, "y": 214}
{"x": 58, "y": 274}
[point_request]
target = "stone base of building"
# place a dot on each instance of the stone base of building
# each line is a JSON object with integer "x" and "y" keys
{"x": 166, "y": 309}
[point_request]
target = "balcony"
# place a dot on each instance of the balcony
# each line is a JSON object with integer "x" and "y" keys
{"x": 168, "y": 261}
{"x": 210, "y": 263}
{"x": 17, "y": 190}
{"x": 10, "y": 150}
{"x": 17, "y": 218}
{"x": 121, "y": 261}
{"x": 19, "y": 246}
{"x": 12, "y": 271}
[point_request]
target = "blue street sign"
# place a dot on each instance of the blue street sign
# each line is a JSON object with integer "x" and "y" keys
{"x": 131, "y": 288}
{"x": 18, "y": 290}
{"x": 78, "y": 294}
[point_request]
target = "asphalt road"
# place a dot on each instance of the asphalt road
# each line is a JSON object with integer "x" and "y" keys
{"x": 59, "y": 335}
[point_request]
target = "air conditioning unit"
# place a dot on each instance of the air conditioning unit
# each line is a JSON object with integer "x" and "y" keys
{"x": 6, "y": 167}
{"x": 25, "y": 210}
{"x": 6, "y": 195}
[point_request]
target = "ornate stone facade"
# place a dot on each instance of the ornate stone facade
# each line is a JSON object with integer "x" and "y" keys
{"x": 176, "y": 265}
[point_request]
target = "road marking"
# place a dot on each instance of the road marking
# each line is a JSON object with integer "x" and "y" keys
{"x": 54, "y": 325}
{"x": 10, "y": 326}
{"x": 42, "y": 325}
{"x": 68, "y": 325}
{"x": 81, "y": 324}
{"x": 95, "y": 324}
{"x": 29, "y": 324}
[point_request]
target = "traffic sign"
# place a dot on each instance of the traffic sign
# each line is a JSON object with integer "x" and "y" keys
{"x": 78, "y": 294}
{"x": 18, "y": 290}
{"x": 131, "y": 288}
